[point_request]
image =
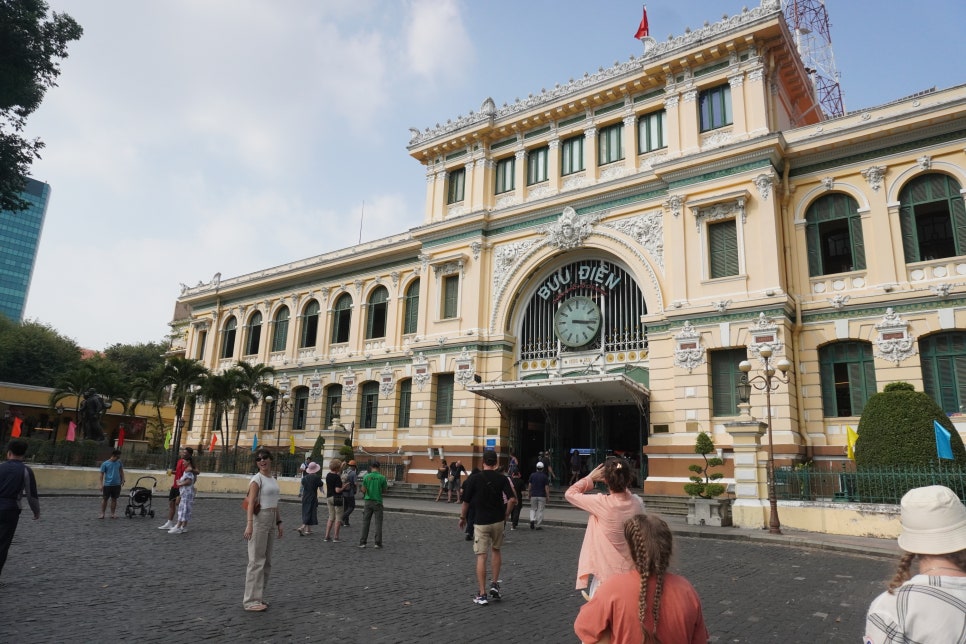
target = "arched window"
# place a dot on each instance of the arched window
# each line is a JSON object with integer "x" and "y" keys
{"x": 370, "y": 404}
{"x": 932, "y": 218}
{"x": 943, "y": 360}
{"x": 280, "y": 333}
{"x": 848, "y": 377}
{"x": 833, "y": 231}
{"x": 405, "y": 401}
{"x": 411, "y": 305}
{"x": 333, "y": 397}
{"x": 310, "y": 325}
{"x": 341, "y": 318}
{"x": 254, "y": 334}
{"x": 228, "y": 337}
{"x": 378, "y": 309}
{"x": 300, "y": 408}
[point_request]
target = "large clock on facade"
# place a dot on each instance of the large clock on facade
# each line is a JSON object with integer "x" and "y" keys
{"x": 577, "y": 321}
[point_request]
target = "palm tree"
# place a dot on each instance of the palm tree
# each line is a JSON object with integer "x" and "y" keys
{"x": 221, "y": 390}
{"x": 251, "y": 387}
{"x": 185, "y": 377}
{"x": 151, "y": 387}
{"x": 92, "y": 375}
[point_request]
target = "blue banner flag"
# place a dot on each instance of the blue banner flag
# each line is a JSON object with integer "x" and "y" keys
{"x": 254, "y": 443}
{"x": 944, "y": 448}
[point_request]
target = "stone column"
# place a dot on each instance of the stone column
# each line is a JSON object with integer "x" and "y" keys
{"x": 751, "y": 481}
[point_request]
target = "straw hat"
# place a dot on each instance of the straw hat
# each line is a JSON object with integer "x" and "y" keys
{"x": 933, "y": 521}
{"x": 313, "y": 468}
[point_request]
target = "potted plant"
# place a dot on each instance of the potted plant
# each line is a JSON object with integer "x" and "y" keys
{"x": 703, "y": 506}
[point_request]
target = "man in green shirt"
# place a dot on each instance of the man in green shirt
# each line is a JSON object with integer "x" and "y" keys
{"x": 373, "y": 485}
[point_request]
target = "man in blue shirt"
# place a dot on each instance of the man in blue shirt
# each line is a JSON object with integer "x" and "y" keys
{"x": 112, "y": 478}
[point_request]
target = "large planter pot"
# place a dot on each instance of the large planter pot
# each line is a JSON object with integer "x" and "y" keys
{"x": 715, "y": 512}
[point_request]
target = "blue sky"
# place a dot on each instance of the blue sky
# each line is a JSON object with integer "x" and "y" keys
{"x": 190, "y": 137}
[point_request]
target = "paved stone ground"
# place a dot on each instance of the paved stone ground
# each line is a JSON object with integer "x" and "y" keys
{"x": 73, "y": 578}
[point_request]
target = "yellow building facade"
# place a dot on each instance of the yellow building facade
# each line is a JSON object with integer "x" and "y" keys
{"x": 597, "y": 259}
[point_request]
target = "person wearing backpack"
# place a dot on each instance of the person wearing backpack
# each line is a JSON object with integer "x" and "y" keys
{"x": 491, "y": 496}
{"x": 349, "y": 479}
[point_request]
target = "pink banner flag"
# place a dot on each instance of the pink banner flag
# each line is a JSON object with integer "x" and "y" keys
{"x": 71, "y": 428}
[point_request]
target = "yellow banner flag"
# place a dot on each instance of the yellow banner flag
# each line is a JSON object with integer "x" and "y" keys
{"x": 850, "y": 445}
{"x": 291, "y": 443}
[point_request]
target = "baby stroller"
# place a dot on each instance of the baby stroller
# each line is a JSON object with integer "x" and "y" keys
{"x": 139, "y": 500}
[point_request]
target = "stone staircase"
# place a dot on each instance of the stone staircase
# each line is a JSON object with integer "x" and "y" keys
{"x": 662, "y": 504}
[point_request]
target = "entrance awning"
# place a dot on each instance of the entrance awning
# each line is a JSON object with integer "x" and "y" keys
{"x": 582, "y": 391}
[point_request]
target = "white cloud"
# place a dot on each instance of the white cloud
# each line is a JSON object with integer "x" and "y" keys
{"x": 437, "y": 44}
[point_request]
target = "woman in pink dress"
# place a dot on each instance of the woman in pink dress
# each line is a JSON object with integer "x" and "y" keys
{"x": 604, "y": 552}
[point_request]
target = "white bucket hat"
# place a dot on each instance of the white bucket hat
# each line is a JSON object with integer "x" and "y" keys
{"x": 933, "y": 521}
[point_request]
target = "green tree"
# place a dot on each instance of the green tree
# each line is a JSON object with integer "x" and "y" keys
{"x": 221, "y": 391}
{"x": 31, "y": 47}
{"x": 185, "y": 378}
{"x": 136, "y": 359}
{"x": 32, "y": 353}
{"x": 251, "y": 385}
{"x": 151, "y": 387}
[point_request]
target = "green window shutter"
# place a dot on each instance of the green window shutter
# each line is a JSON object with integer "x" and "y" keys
{"x": 959, "y": 223}
{"x": 405, "y": 402}
{"x": 814, "y": 243}
{"x": 412, "y": 308}
{"x": 723, "y": 245}
{"x": 907, "y": 226}
{"x": 451, "y": 285}
{"x": 724, "y": 381}
{"x": 827, "y": 375}
{"x": 444, "y": 399}
{"x": 858, "y": 245}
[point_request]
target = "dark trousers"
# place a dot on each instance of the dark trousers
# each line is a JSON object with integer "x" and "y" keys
{"x": 8, "y": 525}
{"x": 515, "y": 514}
{"x": 371, "y": 508}
{"x": 350, "y": 504}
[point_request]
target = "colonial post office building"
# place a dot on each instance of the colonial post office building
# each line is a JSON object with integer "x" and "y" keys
{"x": 596, "y": 260}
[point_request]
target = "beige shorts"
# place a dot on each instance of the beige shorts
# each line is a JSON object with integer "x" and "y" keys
{"x": 335, "y": 511}
{"x": 486, "y": 537}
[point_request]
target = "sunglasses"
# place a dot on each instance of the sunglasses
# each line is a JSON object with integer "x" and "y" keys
{"x": 262, "y": 458}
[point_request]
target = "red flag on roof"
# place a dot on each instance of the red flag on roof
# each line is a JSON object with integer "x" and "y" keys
{"x": 643, "y": 30}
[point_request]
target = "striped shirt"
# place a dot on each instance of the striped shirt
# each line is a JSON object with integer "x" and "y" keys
{"x": 924, "y": 609}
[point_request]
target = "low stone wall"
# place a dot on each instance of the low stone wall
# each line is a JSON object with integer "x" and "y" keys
{"x": 52, "y": 477}
{"x": 852, "y": 519}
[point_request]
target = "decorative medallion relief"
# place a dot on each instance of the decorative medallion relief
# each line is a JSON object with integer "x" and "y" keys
{"x": 464, "y": 368}
{"x": 764, "y": 332}
{"x": 570, "y": 230}
{"x": 647, "y": 230}
{"x": 349, "y": 383}
{"x": 894, "y": 342}
{"x": 421, "y": 373}
{"x": 386, "y": 381}
{"x": 874, "y": 176}
{"x": 688, "y": 352}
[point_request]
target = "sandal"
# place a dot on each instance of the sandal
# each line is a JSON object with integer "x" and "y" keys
{"x": 256, "y": 608}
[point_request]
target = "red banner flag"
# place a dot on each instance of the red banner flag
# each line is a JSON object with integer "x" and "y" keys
{"x": 214, "y": 439}
{"x": 16, "y": 428}
{"x": 71, "y": 429}
{"x": 643, "y": 30}
{"x": 120, "y": 438}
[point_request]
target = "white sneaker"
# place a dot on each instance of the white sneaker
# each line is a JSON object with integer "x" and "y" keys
{"x": 167, "y": 525}
{"x": 176, "y": 530}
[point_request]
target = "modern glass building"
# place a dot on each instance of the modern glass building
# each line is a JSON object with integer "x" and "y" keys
{"x": 19, "y": 238}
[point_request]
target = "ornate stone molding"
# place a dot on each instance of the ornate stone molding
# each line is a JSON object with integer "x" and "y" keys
{"x": 674, "y": 203}
{"x": 647, "y": 230}
{"x": 386, "y": 381}
{"x": 894, "y": 343}
{"x": 828, "y": 183}
{"x": 475, "y": 248}
{"x": 924, "y": 162}
{"x": 423, "y": 262}
{"x": 394, "y": 276}
{"x": 688, "y": 352}
{"x": 349, "y": 383}
{"x": 449, "y": 268}
{"x": 721, "y": 305}
{"x": 715, "y": 212}
{"x": 764, "y": 332}
{"x": 464, "y": 368}
{"x": 569, "y": 231}
{"x": 874, "y": 175}
{"x": 421, "y": 374}
{"x": 941, "y": 290}
{"x": 839, "y": 300}
{"x": 315, "y": 385}
{"x": 764, "y": 183}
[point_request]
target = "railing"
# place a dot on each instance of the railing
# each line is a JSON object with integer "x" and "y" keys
{"x": 865, "y": 485}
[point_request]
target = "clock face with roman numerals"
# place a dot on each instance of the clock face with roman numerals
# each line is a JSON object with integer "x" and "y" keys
{"x": 577, "y": 321}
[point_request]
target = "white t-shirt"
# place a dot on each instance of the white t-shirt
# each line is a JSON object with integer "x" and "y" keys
{"x": 926, "y": 608}
{"x": 269, "y": 491}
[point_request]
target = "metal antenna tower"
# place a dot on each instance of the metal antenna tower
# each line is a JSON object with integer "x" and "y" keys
{"x": 808, "y": 21}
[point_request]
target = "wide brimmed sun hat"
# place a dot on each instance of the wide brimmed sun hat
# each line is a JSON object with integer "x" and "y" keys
{"x": 933, "y": 521}
{"x": 313, "y": 468}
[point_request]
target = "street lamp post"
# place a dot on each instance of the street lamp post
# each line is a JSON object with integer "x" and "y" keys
{"x": 766, "y": 381}
{"x": 283, "y": 406}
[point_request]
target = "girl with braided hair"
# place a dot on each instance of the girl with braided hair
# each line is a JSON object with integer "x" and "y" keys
{"x": 648, "y": 605}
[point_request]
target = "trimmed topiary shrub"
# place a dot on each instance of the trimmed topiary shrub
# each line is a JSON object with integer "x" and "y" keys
{"x": 702, "y": 481}
{"x": 896, "y": 432}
